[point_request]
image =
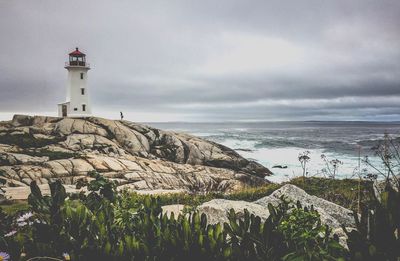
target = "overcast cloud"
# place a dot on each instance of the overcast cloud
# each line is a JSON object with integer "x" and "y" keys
{"x": 206, "y": 60}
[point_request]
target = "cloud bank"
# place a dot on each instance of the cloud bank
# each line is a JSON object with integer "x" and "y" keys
{"x": 207, "y": 60}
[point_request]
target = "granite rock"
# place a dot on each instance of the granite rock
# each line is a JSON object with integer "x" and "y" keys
{"x": 135, "y": 156}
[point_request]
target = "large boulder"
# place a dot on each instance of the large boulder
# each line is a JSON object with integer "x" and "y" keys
{"x": 133, "y": 141}
{"x": 216, "y": 210}
{"x": 184, "y": 148}
{"x": 68, "y": 126}
{"x": 331, "y": 213}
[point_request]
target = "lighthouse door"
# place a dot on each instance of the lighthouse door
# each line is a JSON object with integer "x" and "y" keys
{"x": 64, "y": 110}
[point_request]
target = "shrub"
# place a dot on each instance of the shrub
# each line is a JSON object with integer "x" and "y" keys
{"x": 307, "y": 237}
{"x": 107, "y": 226}
{"x": 377, "y": 235}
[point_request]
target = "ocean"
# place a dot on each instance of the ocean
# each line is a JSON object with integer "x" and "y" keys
{"x": 280, "y": 143}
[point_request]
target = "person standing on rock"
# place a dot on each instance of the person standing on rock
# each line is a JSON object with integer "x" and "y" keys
{"x": 122, "y": 115}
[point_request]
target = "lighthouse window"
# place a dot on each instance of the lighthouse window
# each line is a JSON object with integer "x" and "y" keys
{"x": 83, "y": 107}
{"x": 81, "y": 76}
{"x": 83, "y": 91}
{"x": 75, "y": 109}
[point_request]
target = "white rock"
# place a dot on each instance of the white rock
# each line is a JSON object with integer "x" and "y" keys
{"x": 331, "y": 213}
{"x": 216, "y": 210}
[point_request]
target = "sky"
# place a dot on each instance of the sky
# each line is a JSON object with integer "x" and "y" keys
{"x": 225, "y": 60}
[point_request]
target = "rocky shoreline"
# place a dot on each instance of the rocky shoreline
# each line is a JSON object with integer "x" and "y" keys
{"x": 136, "y": 156}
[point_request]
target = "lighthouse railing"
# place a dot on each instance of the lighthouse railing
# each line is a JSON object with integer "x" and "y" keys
{"x": 77, "y": 63}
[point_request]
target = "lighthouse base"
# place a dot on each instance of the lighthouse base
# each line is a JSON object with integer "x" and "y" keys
{"x": 65, "y": 110}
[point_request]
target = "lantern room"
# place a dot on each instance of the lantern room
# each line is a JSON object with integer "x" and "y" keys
{"x": 77, "y": 58}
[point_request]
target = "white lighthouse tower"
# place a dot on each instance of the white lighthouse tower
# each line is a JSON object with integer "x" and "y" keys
{"x": 77, "y": 102}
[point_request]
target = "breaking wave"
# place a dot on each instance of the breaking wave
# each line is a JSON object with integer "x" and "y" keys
{"x": 277, "y": 145}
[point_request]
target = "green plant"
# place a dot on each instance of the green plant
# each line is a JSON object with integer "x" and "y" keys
{"x": 99, "y": 188}
{"x": 308, "y": 238}
{"x": 377, "y": 234}
{"x": 105, "y": 225}
{"x": 44, "y": 236}
{"x": 287, "y": 234}
{"x": 253, "y": 239}
{"x": 5, "y": 226}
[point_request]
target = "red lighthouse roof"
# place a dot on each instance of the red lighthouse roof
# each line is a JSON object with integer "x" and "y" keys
{"x": 77, "y": 53}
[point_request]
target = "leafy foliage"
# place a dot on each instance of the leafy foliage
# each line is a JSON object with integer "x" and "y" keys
{"x": 45, "y": 235}
{"x": 99, "y": 188}
{"x": 308, "y": 238}
{"x": 377, "y": 234}
{"x": 378, "y": 229}
{"x": 104, "y": 225}
{"x": 5, "y": 224}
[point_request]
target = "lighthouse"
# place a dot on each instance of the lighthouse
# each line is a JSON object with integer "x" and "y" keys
{"x": 77, "y": 99}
